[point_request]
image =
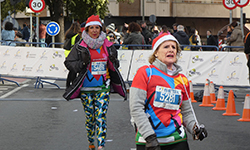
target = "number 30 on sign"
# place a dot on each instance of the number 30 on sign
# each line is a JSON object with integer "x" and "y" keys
{"x": 229, "y": 4}
{"x": 37, "y": 5}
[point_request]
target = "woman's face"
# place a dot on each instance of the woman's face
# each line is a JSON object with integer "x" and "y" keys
{"x": 94, "y": 31}
{"x": 167, "y": 52}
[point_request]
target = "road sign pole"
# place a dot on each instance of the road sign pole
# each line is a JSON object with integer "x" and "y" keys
{"x": 37, "y": 29}
{"x": 231, "y": 17}
{"x": 241, "y": 22}
{"x": 53, "y": 41}
{"x": 31, "y": 29}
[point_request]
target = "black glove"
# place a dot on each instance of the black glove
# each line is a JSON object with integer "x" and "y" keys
{"x": 199, "y": 132}
{"x": 152, "y": 143}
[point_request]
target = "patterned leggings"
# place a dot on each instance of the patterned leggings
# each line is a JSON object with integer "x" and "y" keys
{"x": 95, "y": 106}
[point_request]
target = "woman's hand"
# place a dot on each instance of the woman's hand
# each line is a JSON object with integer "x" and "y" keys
{"x": 199, "y": 132}
{"x": 152, "y": 143}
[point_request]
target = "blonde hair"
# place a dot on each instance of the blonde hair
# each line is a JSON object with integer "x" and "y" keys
{"x": 153, "y": 57}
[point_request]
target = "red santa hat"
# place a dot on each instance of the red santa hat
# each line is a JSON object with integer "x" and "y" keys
{"x": 162, "y": 38}
{"x": 93, "y": 20}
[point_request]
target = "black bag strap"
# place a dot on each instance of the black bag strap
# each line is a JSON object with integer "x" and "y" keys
{"x": 148, "y": 100}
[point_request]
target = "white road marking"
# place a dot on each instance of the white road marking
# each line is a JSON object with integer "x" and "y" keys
{"x": 13, "y": 91}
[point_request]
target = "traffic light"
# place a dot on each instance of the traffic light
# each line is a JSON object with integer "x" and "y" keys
{"x": 244, "y": 18}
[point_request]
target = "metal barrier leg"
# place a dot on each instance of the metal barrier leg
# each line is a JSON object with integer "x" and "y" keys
{"x": 37, "y": 82}
{"x": 3, "y": 79}
{"x": 49, "y": 83}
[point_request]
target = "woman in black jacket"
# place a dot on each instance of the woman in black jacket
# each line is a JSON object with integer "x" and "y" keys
{"x": 94, "y": 59}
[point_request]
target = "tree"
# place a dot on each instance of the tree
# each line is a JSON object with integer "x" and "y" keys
{"x": 76, "y": 9}
{"x": 57, "y": 15}
{"x": 6, "y": 7}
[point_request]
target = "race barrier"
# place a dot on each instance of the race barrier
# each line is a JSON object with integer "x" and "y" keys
{"x": 223, "y": 68}
{"x": 30, "y": 62}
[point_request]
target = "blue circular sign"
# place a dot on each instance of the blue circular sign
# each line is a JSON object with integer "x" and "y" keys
{"x": 52, "y": 28}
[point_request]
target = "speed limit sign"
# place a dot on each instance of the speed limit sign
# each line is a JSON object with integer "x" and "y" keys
{"x": 37, "y": 5}
{"x": 229, "y": 4}
{"x": 241, "y": 3}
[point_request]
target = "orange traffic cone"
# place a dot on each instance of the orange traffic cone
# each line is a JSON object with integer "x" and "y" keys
{"x": 212, "y": 92}
{"x": 192, "y": 92}
{"x": 246, "y": 110}
{"x": 207, "y": 81}
{"x": 230, "y": 111}
{"x": 220, "y": 104}
{"x": 206, "y": 102}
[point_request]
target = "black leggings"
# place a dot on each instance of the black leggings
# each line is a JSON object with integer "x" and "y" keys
{"x": 177, "y": 146}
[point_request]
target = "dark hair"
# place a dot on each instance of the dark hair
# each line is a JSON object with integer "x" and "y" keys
{"x": 133, "y": 27}
{"x": 164, "y": 28}
{"x": 142, "y": 22}
{"x": 75, "y": 28}
{"x": 210, "y": 31}
{"x": 234, "y": 24}
{"x": 175, "y": 24}
{"x": 192, "y": 31}
{"x": 8, "y": 26}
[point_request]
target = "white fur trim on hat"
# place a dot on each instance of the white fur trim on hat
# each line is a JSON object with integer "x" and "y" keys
{"x": 93, "y": 23}
{"x": 162, "y": 39}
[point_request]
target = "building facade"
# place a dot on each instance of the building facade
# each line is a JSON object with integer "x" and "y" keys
{"x": 200, "y": 14}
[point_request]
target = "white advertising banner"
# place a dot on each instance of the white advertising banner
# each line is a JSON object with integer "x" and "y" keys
{"x": 140, "y": 58}
{"x": 223, "y": 68}
{"x": 124, "y": 57}
{"x": 32, "y": 62}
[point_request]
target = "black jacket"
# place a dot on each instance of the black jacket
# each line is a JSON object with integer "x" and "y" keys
{"x": 78, "y": 61}
{"x": 210, "y": 41}
{"x": 247, "y": 44}
{"x": 182, "y": 37}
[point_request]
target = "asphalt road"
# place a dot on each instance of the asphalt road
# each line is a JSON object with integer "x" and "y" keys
{"x": 40, "y": 119}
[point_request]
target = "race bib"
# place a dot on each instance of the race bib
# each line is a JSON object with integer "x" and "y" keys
{"x": 167, "y": 98}
{"x": 99, "y": 67}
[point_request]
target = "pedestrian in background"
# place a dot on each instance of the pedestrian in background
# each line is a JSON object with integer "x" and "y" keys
{"x": 198, "y": 39}
{"x": 164, "y": 29}
{"x": 182, "y": 36}
{"x": 160, "y": 100}
{"x": 155, "y": 31}
{"x": 193, "y": 40}
{"x": 134, "y": 36}
{"x": 146, "y": 33}
{"x": 42, "y": 34}
{"x": 18, "y": 38}
{"x": 95, "y": 61}
{"x": 229, "y": 32}
{"x": 247, "y": 52}
{"x": 175, "y": 27}
{"x": 26, "y": 32}
{"x": 236, "y": 38}
{"x": 210, "y": 41}
{"x": 111, "y": 35}
{"x": 8, "y": 34}
{"x": 72, "y": 36}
